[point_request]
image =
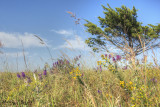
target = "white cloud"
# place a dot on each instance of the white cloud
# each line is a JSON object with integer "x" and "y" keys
{"x": 14, "y": 54}
{"x": 64, "y": 32}
{"x": 13, "y": 40}
{"x": 75, "y": 43}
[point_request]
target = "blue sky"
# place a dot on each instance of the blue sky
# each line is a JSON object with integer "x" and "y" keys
{"x": 48, "y": 19}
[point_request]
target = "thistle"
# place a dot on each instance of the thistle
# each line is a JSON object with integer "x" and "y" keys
{"x": 114, "y": 60}
{"x": 19, "y": 76}
{"x": 118, "y": 57}
{"x": 23, "y": 74}
{"x": 45, "y": 72}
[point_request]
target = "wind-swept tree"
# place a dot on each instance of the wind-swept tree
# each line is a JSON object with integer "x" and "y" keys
{"x": 121, "y": 29}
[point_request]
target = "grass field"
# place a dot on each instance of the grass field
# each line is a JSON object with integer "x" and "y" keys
{"x": 67, "y": 84}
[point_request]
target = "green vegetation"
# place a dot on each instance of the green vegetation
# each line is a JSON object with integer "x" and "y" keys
{"x": 66, "y": 83}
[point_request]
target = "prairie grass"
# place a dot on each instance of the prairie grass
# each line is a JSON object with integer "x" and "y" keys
{"x": 66, "y": 84}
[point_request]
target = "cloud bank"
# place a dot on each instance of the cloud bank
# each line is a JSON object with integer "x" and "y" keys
{"x": 64, "y": 32}
{"x": 15, "y": 54}
{"x": 75, "y": 43}
{"x": 13, "y": 40}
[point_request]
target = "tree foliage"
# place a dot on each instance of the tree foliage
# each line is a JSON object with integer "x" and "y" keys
{"x": 121, "y": 29}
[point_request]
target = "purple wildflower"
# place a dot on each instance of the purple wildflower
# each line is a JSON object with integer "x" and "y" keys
{"x": 23, "y": 75}
{"x": 27, "y": 81}
{"x": 100, "y": 68}
{"x": 99, "y": 91}
{"x": 110, "y": 56}
{"x": 114, "y": 60}
{"x": 19, "y": 76}
{"x": 118, "y": 57}
{"x": 60, "y": 61}
{"x": 154, "y": 80}
{"x": 45, "y": 72}
{"x": 105, "y": 55}
{"x": 97, "y": 68}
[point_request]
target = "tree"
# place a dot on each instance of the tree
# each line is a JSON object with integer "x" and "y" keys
{"x": 121, "y": 29}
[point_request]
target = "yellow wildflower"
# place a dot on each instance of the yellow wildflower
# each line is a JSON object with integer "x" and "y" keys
{"x": 99, "y": 62}
{"x": 130, "y": 82}
{"x": 70, "y": 73}
{"x": 121, "y": 82}
{"x": 74, "y": 77}
{"x": 133, "y": 105}
{"x": 134, "y": 88}
{"x": 132, "y": 98}
{"x": 126, "y": 84}
{"x": 107, "y": 95}
{"x": 131, "y": 88}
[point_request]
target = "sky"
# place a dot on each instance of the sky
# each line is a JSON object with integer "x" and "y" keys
{"x": 22, "y": 19}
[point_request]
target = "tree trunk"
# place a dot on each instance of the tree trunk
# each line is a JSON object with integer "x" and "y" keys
{"x": 132, "y": 53}
{"x": 130, "y": 42}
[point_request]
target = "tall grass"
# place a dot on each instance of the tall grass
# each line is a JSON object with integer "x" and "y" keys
{"x": 67, "y": 84}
